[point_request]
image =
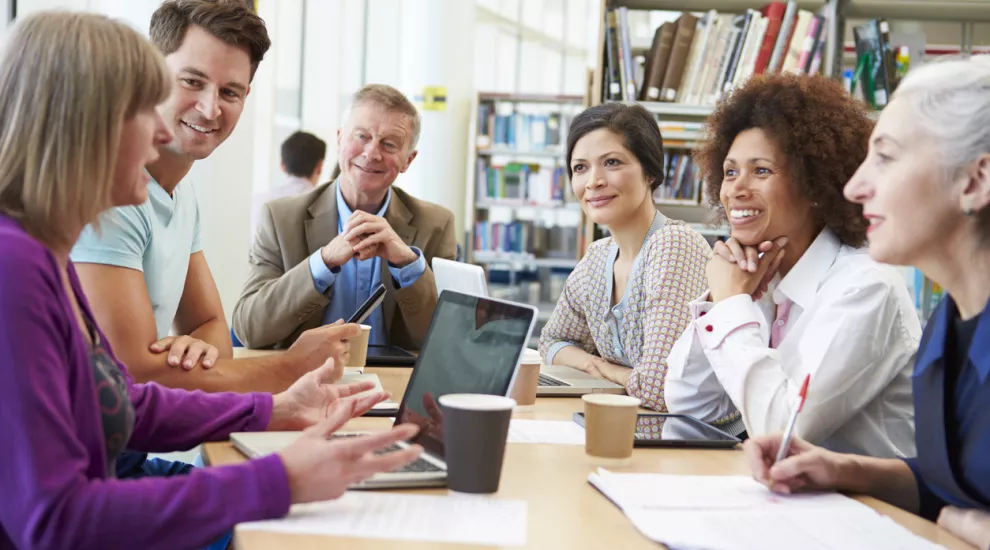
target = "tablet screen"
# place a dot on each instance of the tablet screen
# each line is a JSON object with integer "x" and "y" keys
{"x": 388, "y": 352}
{"x": 665, "y": 427}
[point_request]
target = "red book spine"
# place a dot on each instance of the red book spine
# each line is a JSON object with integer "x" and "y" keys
{"x": 774, "y": 12}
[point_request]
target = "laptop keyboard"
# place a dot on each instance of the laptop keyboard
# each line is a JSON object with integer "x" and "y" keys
{"x": 418, "y": 465}
{"x": 547, "y": 381}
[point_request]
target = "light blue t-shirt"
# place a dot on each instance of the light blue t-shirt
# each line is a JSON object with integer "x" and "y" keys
{"x": 156, "y": 238}
{"x": 354, "y": 281}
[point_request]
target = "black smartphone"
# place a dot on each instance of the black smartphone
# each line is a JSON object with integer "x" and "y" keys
{"x": 369, "y": 305}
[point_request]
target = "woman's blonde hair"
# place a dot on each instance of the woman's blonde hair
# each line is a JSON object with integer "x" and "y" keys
{"x": 68, "y": 82}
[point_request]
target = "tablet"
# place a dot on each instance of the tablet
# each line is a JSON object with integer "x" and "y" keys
{"x": 389, "y": 356}
{"x": 676, "y": 430}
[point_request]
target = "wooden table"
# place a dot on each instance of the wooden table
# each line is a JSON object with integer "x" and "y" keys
{"x": 564, "y": 510}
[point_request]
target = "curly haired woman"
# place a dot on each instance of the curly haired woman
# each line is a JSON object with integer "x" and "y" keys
{"x": 793, "y": 292}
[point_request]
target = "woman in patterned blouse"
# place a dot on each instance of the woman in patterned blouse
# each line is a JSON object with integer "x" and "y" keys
{"x": 626, "y": 302}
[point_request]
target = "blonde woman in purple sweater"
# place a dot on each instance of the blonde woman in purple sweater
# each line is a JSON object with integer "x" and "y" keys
{"x": 77, "y": 126}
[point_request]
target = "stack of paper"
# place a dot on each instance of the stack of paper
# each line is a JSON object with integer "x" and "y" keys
{"x": 738, "y": 513}
{"x": 456, "y": 519}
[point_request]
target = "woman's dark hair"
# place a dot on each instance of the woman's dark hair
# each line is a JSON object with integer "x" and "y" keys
{"x": 638, "y": 128}
{"x": 821, "y": 130}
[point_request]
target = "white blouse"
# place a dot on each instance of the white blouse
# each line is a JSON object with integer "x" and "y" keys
{"x": 852, "y": 326}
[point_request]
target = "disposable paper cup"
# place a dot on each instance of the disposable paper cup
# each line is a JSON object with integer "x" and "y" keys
{"x": 609, "y": 425}
{"x": 475, "y": 427}
{"x": 359, "y": 348}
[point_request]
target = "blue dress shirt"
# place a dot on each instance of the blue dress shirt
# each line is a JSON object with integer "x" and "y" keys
{"x": 952, "y": 414}
{"x": 353, "y": 282}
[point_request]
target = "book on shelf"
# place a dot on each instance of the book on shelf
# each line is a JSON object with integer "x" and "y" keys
{"x": 876, "y": 72}
{"x": 682, "y": 182}
{"x": 522, "y": 183}
{"x": 525, "y": 237}
{"x": 520, "y": 126}
{"x": 696, "y": 60}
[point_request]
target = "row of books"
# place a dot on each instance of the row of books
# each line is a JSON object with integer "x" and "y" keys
{"x": 521, "y": 182}
{"x": 525, "y": 237}
{"x": 877, "y": 71}
{"x": 682, "y": 182}
{"x": 696, "y": 60}
{"x": 521, "y": 126}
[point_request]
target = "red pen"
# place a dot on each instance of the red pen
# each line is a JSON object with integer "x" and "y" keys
{"x": 785, "y": 445}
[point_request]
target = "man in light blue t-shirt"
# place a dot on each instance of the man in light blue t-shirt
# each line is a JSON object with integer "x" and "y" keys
{"x": 144, "y": 271}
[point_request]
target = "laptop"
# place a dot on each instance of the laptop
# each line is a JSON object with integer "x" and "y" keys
{"x": 562, "y": 381}
{"x": 555, "y": 380}
{"x": 459, "y": 277}
{"x": 473, "y": 345}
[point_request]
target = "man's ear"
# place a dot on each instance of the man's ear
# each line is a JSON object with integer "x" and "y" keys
{"x": 412, "y": 157}
{"x": 248, "y": 92}
{"x": 976, "y": 195}
{"x": 317, "y": 171}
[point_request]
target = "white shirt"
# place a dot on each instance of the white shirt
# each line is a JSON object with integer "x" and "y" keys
{"x": 852, "y": 326}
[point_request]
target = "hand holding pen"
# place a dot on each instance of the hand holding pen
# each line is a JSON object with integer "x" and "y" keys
{"x": 785, "y": 445}
{"x": 787, "y": 464}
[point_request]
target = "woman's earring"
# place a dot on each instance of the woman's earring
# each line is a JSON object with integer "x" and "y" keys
{"x": 967, "y": 209}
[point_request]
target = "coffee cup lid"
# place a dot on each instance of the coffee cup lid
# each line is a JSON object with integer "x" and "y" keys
{"x": 611, "y": 399}
{"x": 531, "y": 356}
{"x": 477, "y": 402}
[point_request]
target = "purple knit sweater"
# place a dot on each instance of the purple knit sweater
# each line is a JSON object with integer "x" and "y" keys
{"x": 54, "y": 490}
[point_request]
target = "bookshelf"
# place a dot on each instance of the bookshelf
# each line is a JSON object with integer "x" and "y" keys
{"x": 524, "y": 223}
{"x": 706, "y": 48}
{"x": 520, "y": 202}
{"x": 826, "y": 37}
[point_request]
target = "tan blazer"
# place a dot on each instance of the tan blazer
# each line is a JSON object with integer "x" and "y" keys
{"x": 280, "y": 301}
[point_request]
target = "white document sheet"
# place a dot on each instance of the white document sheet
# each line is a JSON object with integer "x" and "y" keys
{"x": 457, "y": 518}
{"x": 559, "y": 432}
{"x": 703, "y": 492}
{"x": 738, "y": 513}
{"x": 783, "y": 529}
{"x": 351, "y": 377}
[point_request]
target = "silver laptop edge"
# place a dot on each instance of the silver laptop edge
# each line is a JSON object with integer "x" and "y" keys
{"x": 576, "y": 383}
{"x": 246, "y": 444}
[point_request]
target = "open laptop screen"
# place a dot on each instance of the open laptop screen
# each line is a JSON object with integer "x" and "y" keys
{"x": 473, "y": 346}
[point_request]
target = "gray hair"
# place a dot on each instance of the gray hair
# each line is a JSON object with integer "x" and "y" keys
{"x": 951, "y": 99}
{"x": 390, "y": 99}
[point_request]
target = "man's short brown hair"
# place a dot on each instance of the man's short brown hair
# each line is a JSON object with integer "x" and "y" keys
{"x": 229, "y": 20}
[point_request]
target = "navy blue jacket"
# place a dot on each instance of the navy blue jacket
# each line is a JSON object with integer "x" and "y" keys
{"x": 938, "y": 484}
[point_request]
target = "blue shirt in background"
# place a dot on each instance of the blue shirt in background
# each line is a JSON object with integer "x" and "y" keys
{"x": 353, "y": 282}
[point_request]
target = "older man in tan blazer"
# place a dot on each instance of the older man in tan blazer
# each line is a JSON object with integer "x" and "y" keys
{"x": 316, "y": 257}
